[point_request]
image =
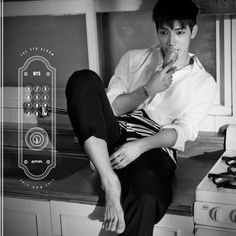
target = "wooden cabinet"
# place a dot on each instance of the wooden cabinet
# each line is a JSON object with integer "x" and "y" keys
{"x": 24, "y": 217}
{"x": 174, "y": 225}
{"x": 73, "y": 219}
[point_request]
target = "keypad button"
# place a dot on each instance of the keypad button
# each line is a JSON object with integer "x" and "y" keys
{"x": 37, "y": 97}
{"x": 45, "y": 88}
{"x": 45, "y": 97}
{"x": 27, "y": 105}
{"x": 36, "y": 105}
{"x": 28, "y": 97}
{"x": 37, "y": 88}
{"x": 28, "y": 88}
{"x": 45, "y": 113}
{"x": 28, "y": 113}
{"x": 37, "y": 113}
{"x": 45, "y": 104}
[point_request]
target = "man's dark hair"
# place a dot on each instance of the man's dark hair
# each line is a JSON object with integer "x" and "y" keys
{"x": 165, "y": 12}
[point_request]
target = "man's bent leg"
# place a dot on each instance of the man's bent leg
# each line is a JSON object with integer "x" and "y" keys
{"x": 114, "y": 215}
{"x": 89, "y": 109}
{"x": 96, "y": 128}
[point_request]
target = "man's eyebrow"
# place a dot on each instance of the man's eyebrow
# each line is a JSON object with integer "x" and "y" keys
{"x": 163, "y": 27}
{"x": 179, "y": 28}
{"x": 166, "y": 28}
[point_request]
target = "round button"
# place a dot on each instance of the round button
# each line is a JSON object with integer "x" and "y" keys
{"x": 37, "y": 113}
{"x": 28, "y": 88}
{"x": 37, "y": 97}
{"x": 45, "y": 105}
{"x": 36, "y": 105}
{"x": 28, "y": 97}
{"x": 28, "y": 113}
{"x": 45, "y": 97}
{"x": 217, "y": 214}
{"x": 36, "y": 139}
{"x": 37, "y": 88}
{"x": 27, "y": 105}
{"x": 45, "y": 88}
{"x": 44, "y": 112}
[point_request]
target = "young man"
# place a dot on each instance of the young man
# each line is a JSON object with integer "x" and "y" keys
{"x": 157, "y": 109}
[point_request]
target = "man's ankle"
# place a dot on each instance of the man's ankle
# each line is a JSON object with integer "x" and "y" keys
{"x": 110, "y": 181}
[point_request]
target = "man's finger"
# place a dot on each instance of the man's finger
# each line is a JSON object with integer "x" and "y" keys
{"x": 120, "y": 164}
{"x": 114, "y": 155}
{"x": 155, "y": 58}
{"x": 116, "y": 160}
{"x": 168, "y": 67}
{"x": 171, "y": 71}
{"x": 117, "y": 165}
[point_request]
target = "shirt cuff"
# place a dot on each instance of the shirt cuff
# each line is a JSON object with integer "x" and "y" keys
{"x": 111, "y": 97}
{"x": 181, "y": 139}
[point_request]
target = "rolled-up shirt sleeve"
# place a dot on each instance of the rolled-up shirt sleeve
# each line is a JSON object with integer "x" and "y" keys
{"x": 119, "y": 81}
{"x": 187, "y": 125}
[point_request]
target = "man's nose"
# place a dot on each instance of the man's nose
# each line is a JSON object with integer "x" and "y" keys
{"x": 171, "y": 39}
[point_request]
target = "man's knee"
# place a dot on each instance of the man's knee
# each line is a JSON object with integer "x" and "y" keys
{"x": 82, "y": 79}
{"x": 84, "y": 74}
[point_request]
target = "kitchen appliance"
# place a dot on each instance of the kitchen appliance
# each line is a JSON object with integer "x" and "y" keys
{"x": 215, "y": 197}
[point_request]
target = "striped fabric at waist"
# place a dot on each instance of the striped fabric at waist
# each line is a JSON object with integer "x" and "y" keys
{"x": 138, "y": 125}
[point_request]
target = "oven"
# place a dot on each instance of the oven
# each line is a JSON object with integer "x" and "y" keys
{"x": 215, "y": 196}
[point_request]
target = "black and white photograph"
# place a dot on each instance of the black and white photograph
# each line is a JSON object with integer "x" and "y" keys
{"x": 118, "y": 118}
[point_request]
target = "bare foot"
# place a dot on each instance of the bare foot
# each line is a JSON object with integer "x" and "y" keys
{"x": 114, "y": 215}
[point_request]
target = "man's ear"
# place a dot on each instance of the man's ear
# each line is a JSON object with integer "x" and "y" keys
{"x": 194, "y": 31}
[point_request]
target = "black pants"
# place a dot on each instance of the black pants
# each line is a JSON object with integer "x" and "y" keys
{"x": 146, "y": 182}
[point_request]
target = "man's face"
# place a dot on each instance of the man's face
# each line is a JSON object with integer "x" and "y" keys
{"x": 177, "y": 38}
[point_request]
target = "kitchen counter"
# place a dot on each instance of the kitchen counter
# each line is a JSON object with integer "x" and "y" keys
{"x": 72, "y": 180}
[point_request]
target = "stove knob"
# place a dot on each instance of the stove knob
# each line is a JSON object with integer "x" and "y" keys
{"x": 217, "y": 214}
{"x": 233, "y": 216}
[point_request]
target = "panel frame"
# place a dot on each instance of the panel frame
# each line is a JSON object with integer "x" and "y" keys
{"x": 37, "y": 210}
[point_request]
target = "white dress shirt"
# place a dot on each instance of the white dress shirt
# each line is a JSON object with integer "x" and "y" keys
{"x": 182, "y": 106}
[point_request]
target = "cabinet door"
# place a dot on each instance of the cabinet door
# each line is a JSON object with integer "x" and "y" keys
{"x": 24, "y": 217}
{"x": 74, "y": 226}
{"x": 174, "y": 225}
{"x": 73, "y": 219}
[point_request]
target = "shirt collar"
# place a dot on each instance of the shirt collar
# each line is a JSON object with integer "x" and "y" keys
{"x": 196, "y": 61}
{"x": 157, "y": 49}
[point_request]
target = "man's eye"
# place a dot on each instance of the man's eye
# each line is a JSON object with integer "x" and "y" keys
{"x": 180, "y": 32}
{"x": 163, "y": 32}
